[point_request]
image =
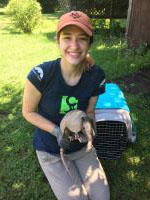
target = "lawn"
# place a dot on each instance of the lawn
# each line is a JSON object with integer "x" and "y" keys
{"x": 20, "y": 176}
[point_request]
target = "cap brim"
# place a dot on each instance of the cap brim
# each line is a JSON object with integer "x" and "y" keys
{"x": 82, "y": 26}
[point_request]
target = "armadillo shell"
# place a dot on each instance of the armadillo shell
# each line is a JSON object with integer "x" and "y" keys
{"x": 72, "y": 120}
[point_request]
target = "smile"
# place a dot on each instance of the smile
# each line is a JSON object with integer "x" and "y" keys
{"x": 74, "y": 54}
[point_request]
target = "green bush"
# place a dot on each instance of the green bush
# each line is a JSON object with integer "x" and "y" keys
{"x": 25, "y": 14}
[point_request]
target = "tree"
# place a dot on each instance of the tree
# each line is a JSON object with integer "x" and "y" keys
{"x": 48, "y": 6}
{"x": 138, "y": 26}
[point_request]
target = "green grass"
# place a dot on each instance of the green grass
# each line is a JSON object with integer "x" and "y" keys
{"x": 20, "y": 176}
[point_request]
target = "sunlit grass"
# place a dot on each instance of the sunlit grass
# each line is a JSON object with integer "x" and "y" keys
{"x": 18, "y": 186}
{"x": 131, "y": 175}
{"x": 136, "y": 160}
{"x": 8, "y": 149}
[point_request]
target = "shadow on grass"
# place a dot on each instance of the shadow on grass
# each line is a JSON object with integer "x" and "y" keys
{"x": 109, "y": 57}
{"x": 2, "y": 9}
{"x": 2, "y": 13}
{"x": 117, "y": 59}
{"x": 9, "y": 29}
{"x": 13, "y": 31}
{"x": 52, "y": 16}
{"x": 51, "y": 36}
{"x": 20, "y": 174}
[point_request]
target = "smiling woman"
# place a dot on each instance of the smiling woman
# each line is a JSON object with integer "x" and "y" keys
{"x": 74, "y": 46}
{"x": 72, "y": 82}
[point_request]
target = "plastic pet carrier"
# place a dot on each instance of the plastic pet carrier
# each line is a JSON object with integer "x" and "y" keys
{"x": 114, "y": 124}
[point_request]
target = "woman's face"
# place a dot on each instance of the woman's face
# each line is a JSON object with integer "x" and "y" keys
{"x": 74, "y": 44}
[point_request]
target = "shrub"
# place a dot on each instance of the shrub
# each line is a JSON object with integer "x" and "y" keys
{"x": 25, "y": 14}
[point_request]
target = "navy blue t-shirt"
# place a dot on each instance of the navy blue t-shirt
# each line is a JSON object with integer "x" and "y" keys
{"x": 58, "y": 98}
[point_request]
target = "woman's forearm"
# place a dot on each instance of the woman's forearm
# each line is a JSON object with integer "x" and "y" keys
{"x": 39, "y": 121}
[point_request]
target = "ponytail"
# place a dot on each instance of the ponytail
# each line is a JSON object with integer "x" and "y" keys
{"x": 88, "y": 63}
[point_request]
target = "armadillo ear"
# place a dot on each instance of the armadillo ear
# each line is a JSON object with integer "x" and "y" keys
{"x": 88, "y": 119}
{"x": 83, "y": 119}
{"x": 91, "y": 122}
{"x": 66, "y": 131}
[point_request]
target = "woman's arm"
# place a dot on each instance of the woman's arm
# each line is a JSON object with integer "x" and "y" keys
{"x": 31, "y": 99}
{"x": 91, "y": 107}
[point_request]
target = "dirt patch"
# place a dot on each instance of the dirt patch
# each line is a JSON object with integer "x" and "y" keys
{"x": 135, "y": 83}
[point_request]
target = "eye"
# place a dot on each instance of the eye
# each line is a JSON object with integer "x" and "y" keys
{"x": 66, "y": 38}
{"x": 84, "y": 38}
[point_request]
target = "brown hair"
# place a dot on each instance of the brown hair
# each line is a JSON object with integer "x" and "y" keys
{"x": 88, "y": 63}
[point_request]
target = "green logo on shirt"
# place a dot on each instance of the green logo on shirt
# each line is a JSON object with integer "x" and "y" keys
{"x": 67, "y": 104}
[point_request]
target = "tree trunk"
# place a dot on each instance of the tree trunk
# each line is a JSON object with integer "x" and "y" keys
{"x": 138, "y": 23}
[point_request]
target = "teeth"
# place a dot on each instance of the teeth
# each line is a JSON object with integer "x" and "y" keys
{"x": 74, "y": 54}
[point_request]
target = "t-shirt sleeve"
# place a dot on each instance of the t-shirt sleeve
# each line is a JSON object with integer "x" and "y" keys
{"x": 37, "y": 76}
{"x": 100, "y": 83}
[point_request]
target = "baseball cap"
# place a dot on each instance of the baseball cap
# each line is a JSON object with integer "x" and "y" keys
{"x": 77, "y": 18}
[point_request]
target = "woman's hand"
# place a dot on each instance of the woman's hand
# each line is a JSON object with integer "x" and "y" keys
{"x": 64, "y": 143}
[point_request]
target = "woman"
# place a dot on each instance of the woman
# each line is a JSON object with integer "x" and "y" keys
{"x": 54, "y": 88}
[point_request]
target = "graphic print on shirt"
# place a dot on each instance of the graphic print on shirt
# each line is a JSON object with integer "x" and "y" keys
{"x": 68, "y": 103}
{"x": 38, "y": 72}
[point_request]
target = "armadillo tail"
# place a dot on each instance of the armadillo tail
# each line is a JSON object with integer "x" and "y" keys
{"x": 63, "y": 161}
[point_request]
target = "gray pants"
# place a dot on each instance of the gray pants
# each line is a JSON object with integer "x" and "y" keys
{"x": 87, "y": 181}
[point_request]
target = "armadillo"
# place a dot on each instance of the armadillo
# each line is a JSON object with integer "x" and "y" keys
{"x": 76, "y": 125}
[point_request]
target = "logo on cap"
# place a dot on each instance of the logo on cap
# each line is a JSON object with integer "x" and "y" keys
{"x": 75, "y": 15}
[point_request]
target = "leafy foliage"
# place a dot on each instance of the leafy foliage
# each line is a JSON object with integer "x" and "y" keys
{"x": 109, "y": 26}
{"x": 3, "y": 3}
{"x": 48, "y": 6}
{"x": 25, "y": 14}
